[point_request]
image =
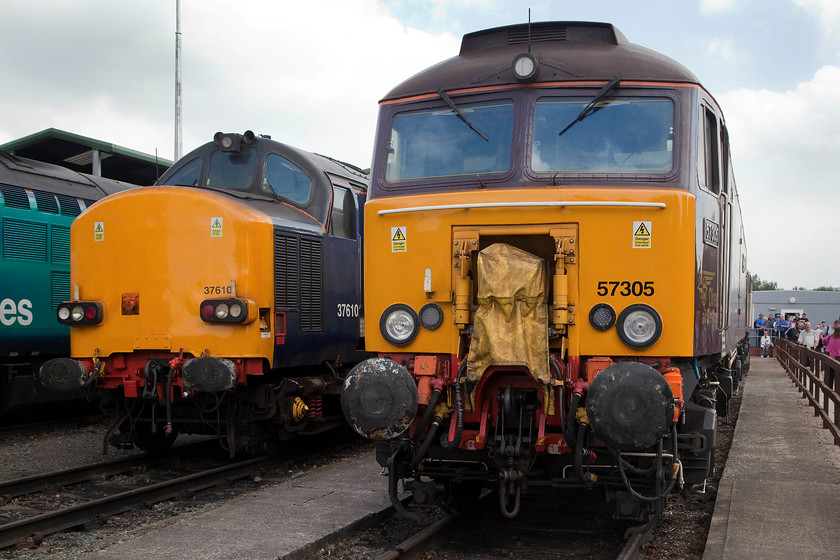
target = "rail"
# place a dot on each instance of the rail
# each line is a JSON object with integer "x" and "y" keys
{"x": 37, "y": 526}
{"x": 817, "y": 376}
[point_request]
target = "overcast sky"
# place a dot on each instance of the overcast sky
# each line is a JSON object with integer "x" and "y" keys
{"x": 310, "y": 74}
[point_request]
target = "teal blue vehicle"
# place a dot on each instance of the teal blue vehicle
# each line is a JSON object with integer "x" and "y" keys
{"x": 38, "y": 202}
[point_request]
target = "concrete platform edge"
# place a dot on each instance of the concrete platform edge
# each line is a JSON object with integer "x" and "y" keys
{"x": 716, "y": 540}
{"x": 306, "y": 551}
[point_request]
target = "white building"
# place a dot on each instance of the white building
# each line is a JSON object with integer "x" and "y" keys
{"x": 819, "y": 306}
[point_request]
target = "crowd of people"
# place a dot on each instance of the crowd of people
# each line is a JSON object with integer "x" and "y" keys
{"x": 797, "y": 328}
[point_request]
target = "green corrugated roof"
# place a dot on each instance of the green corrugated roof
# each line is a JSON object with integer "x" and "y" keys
{"x": 75, "y": 152}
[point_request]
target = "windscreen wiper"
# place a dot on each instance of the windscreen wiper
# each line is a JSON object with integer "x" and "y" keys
{"x": 590, "y": 107}
{"x": 459, "y": 114}
{"x": 246, "y": 195}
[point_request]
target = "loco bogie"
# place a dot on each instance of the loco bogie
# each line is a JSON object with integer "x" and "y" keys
{"x": 245, "y": 418}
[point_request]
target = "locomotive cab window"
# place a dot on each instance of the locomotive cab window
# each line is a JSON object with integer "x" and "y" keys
{"x": 187, "y": 175}
{"x": 621, "y": 135}
{"x": 286, "y": 179}
{"x": 708, "y": 168}
{"x": 440, "y": 143}
{"x": 232, "y": 170}
{"x": 343, "y": 214}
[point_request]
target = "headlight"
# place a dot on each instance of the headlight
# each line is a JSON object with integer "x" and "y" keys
{"x": 525, "y": 67}
{"x": 639, "y": 326}
{"x": 222, "y": 311}
{"x": 399, "y": 324}
{"x": 602, "y": 316}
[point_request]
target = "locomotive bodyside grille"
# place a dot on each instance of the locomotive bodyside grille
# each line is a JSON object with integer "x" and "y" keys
{"x": 311, "y": 285}
{"x": 24, "y": 240}
{"x": 286, "y": 280}
{"x": 59, "y": 287}
{"x": 60, "y": 244}
{"x": 46, "y": 202}
{"x": 519, "y": 37}
{"x": 298, "y": 278}
{"x": 14, "y": 197}
{"x": 69, "y": 205}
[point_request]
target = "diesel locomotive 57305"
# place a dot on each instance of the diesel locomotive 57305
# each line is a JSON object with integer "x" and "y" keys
{"x": 225, "y": 301}
{"x": 555, "y": 272}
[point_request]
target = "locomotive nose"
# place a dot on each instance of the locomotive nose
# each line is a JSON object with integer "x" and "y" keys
{"x": 630, "y": 406}
{"x": 379, "y": 399}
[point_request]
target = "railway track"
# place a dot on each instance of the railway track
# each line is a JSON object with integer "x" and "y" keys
{"x": 51, "y": 425}
{"x": 437, "y": 536}
{"x": 546, "y": 529}
{"x": 94, "y": 510}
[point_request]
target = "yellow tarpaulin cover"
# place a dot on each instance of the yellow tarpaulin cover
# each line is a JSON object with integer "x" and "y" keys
{"x": 511, "y": 323}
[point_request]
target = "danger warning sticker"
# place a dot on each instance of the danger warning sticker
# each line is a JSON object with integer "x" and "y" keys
{"x": 398, "y": 240}
{"x": 215, "y": 227}
{"x": 642, "y": 235}
{"x": 99, "y": 231}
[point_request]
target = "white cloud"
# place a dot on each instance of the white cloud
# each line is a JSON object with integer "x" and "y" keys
{"x": 786, "y": 146}
{"x": 827, "y": 10}
{"x": 309, "y": 74}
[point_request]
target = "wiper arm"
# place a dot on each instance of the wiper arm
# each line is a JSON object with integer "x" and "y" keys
{"x": 589, "y": 109}
{"x": 459, "y": 114}
{"x": 246, "y": 195}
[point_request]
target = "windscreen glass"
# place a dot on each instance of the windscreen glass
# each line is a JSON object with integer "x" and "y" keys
{"x": 286, "y": 179}
{"x": 616, "y": 135}
{"x": 438, "y": 143}
{"x": 186, "y": 175}
{"x": 232, "y": 170}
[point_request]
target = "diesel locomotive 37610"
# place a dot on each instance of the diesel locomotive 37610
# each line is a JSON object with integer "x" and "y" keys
{"x": 555, "y": 273}
{"x": 226, "y": 301}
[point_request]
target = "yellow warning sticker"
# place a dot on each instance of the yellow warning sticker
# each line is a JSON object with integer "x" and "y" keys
{"x": 642, "y": 235}
{"x": 99, "y": 231}
{"x": 215, "y": 227}
{"x": 398, "y": 240}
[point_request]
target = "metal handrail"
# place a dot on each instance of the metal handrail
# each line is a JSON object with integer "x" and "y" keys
{"x": 754, "y": 335}
{"x": 810, "y": 371}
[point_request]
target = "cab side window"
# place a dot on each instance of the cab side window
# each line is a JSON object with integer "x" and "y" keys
{"x": 343, "y": 213}
{"x": 286, "y": 179}
{"x": 708, "y": 167}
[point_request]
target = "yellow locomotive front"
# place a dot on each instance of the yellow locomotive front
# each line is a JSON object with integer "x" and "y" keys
{"x": 532, "y": 258}
{"x": 209, "y": 306}
{"x": 172, "y": 256}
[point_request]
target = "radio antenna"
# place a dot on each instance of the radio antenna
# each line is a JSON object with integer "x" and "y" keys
{"x": 529, "y": 30}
